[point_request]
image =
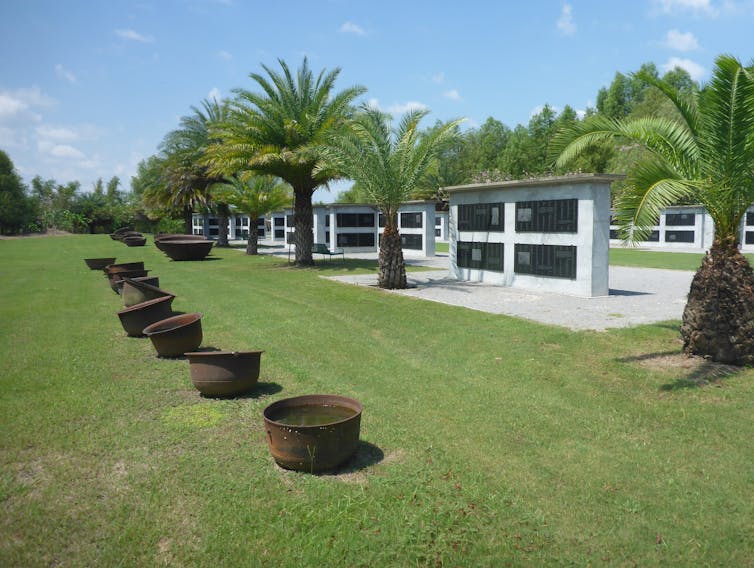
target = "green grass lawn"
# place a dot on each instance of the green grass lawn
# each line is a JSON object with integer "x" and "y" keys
{"x": 486, "y": 440}
{"x": 659, "y": 259}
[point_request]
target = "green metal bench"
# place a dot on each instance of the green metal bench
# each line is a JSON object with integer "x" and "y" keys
{"x": 319, "y": 248}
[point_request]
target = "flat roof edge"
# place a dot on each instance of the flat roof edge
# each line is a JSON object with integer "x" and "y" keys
{"x": 554, "y": 180}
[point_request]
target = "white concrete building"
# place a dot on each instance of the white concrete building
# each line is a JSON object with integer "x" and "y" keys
{"x": 238, "y": 226}
{"x": 358, "y": 227}
{"x": 689, "y": 227}
{"x": 441, "y": 226}
{"x": 547, "y": 234}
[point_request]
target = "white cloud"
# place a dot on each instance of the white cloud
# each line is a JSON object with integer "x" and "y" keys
{"x": 401, "y": 108}
{"x": 13, "y": 103}
{"x": 133, "y": 35}
{"x": 697, "y": 7}
{"x": 565, "y": 22}
{"x": 63, "y": 73}
{"x": 10, "y": 105}
{"x": 397, "y": 108}
{"x": 351, "y": 28}
{"x": 66, "y": 151}
{"x": 453, "y": 95}
{"x": 679, "y": 41}
{"x": 696, "y": 71}
{"x": 439, "y": 78}
{"x": 57, "y": 133}
{"x": 224, "y": 55}
{"x": 214, "y": 93}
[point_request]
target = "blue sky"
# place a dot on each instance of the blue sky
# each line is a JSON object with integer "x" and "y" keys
{"x": 89, "y": 88}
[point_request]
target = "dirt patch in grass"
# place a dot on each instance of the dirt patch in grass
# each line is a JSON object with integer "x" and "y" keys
{"x": 697, "y": 370}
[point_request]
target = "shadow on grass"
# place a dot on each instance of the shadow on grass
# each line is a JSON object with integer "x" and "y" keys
{"x": 260, "y": 390}
{"x": 707, "y": 373}
{"x": 349, "y": 265}
{"x": 367, "y": 454}
{"x": 698, "y": 372}
{"x": 206, "y": 258}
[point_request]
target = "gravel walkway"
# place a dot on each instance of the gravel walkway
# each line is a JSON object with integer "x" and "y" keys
{"x": 637, "y": 296}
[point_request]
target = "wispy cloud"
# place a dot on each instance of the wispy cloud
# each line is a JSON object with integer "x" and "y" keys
{"x": 214, "y": 94}
{"x": 351, "y": 28}
{"x": 57, "y": 133}
{"x": 397, "y": 108}
{"x": 696, "y": 71}
{"x": 15, "y": 102}
{"x": 439, "y": 78}
{"x": 401, "y": 108}
{"x": 679, "y": 41}
{"x": 64, "y": 73}
{"x": 697, "y": 7}
{"x": 133, "y": 35}
{"x": 224, "y": 55}
{"x": 565, "y": 22}
{"x": 453, "y": 95}
{"x": 66, "y": 151}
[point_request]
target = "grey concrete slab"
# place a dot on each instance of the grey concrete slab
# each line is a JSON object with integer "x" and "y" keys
{"x": 637, "y": 296}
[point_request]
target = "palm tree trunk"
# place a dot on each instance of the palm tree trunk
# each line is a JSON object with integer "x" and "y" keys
{"x": 303, "y": 221}
{"x": 392, "y": 269}
{"x": 718, "y": 321}
{"x": 222, "y": 221}
{"x": 188, "y": 220}
{"x": 252, "y": 243}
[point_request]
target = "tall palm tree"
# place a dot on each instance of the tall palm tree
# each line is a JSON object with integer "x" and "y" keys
{"x": 254, "y": 196}
{"x": 280, "y": 132}
{"x": 388, "y": 164}
{"x": 706, "y": 155}
{"x": 186, "y": 178}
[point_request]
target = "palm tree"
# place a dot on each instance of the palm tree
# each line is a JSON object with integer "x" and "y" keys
{"x": 280, "y": 133}
{"x": 186, "y": 179}
{"x": 388, "y": 165}
{"x": 254, "y": 196}
{"x": 706, "y": 155}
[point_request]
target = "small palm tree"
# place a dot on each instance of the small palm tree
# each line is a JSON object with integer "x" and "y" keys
{"x": 280, "y": 132}
{"x": 254, "y": 196}
{"x": 706, "y": 155}
{"x": 186, "y": 178}
{"x": 388, "y": 165}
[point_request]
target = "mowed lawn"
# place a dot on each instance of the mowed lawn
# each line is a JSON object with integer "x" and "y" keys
{"x": 486, "y": 440}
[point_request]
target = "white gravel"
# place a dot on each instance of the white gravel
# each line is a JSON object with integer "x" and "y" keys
{"x": 637, "y": 296}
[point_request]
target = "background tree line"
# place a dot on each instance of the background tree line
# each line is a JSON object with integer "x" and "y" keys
{"x": 177, "y": 181}
{"x": 495, "y": 152}
{"x": 47, "y": 205}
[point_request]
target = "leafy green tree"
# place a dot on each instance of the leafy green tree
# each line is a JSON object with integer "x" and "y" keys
{"x": 352, "y": 195}
{"x": 706, "y": 155}
{"x": 113, "y": 193}
{"x": 446, "y": 167}
{"x": 254, "y": 196}
{"x": 16, "y": 208}
{"x": 281, "y": 132}
{"x": 388, "y": 163}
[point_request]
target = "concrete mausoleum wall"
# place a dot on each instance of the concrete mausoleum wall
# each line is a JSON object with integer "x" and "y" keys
{"x": 689, "y": 227}
{"x": 238, "y": 226}
{"x": 539, "y": 252}
{"x": 364, "y": 233}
